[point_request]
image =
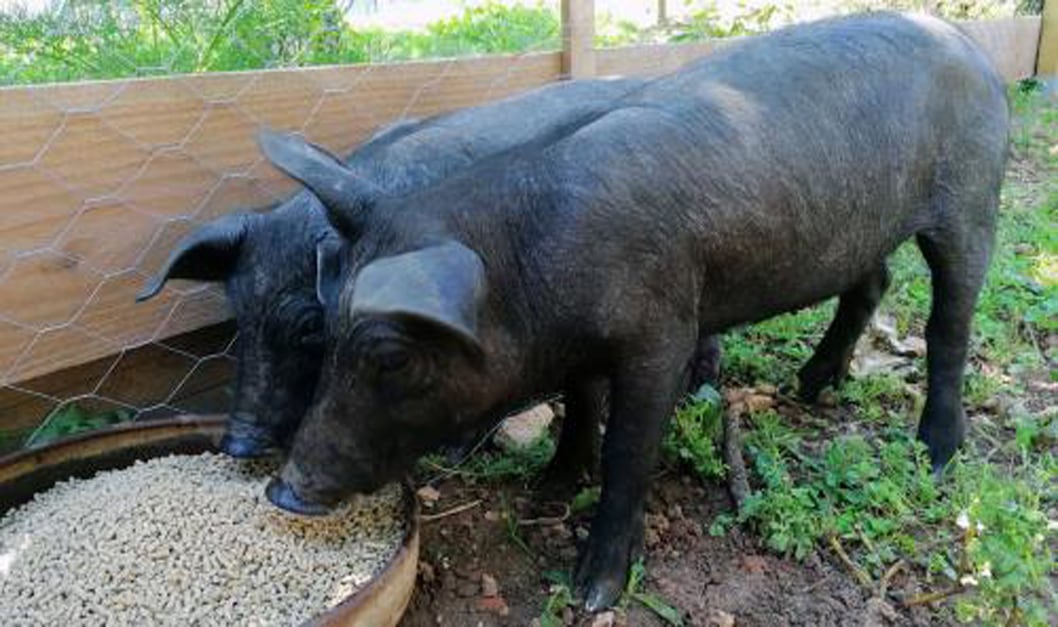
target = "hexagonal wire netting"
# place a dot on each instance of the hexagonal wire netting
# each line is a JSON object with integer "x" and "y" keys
{"x": 101, "y": 179}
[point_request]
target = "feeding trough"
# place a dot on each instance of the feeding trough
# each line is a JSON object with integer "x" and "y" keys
{"x": 380, "y": 601}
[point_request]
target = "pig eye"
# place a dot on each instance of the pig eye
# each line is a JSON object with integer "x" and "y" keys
{"x": 392, "y": 358}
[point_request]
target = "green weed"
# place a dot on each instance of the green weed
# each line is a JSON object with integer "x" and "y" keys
{"x": 73, "y": 418}
{"x": 694, "y": 432}
{"x": 633, "y": 593}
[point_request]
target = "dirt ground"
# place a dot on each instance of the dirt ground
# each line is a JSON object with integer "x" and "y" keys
{"x": 714, "y": 581}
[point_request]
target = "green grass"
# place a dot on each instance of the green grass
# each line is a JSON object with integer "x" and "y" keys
{"x": 93, "y": 39}
{"x": 71, "y": 419}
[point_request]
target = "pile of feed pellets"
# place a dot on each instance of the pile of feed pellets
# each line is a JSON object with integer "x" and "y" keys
{"x": 186, "y": 539}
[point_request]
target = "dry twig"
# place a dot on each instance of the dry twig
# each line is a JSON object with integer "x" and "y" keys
{"x": 862, "y": 577}
{"x": 933, "y": 597}
{"x": 737, "y": 483}
{"x": 450, "y": 512}
{"x": 547, "y": 520}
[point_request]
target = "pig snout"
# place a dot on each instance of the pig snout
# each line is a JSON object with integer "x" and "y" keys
{"x": 245, "y": 437}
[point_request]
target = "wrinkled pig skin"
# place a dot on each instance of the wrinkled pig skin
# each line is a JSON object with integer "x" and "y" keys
{"x": 774, "y": 174}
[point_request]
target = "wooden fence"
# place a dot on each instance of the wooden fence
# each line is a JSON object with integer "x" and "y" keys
{"x": 100, "y": 179}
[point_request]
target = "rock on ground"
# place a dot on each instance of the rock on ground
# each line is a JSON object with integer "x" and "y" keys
{"x": 522, "y": 430}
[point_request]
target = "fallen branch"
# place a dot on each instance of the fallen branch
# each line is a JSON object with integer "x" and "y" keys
{"x": 547, "y": 520}
{"x": 737, "y": 482}
{"x": 883, "y": 585}
{"x": 450, "y": 512}
{"x": 862, "y": 577}
{"x": 933, "y": 597}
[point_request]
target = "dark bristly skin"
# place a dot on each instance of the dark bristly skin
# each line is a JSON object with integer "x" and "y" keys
{"x": 779, "y": 172}
{"x": 268, "y": 261}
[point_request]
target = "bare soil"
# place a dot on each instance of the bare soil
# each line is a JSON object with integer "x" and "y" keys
{"x": 711, "y": 580}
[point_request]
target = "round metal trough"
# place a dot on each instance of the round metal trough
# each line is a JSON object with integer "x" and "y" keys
{"x": 25, "y": 473}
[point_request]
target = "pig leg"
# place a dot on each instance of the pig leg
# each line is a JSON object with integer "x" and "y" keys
{"x": 957, "y": 262}
{"x": 830, "y": 362}
{"x": 576, "y": 456}
{"x": 643, "y": 394}
{"x": 705, "y": 367}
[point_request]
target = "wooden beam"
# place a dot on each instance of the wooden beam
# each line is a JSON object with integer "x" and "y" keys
{"x": 1010, "y": 43}
{"x": 1047, "y": 61}
{"x": 578, "y": 38}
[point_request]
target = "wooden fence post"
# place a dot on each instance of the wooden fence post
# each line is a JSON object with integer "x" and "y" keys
{"x": 1047, "y": 59}
{"x": 578, "y": 38}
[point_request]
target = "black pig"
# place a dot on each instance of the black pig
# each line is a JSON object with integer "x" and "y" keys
{"x": 268, "y": 261}
{"x": 777, "y": 173}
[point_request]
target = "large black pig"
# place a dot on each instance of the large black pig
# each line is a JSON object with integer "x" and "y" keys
{"x": 268, "y": 261}
{"x": 777, "y": 173}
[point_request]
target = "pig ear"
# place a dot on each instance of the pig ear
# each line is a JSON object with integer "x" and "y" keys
{"x": 207, "y": 254}
{"x": 328, "y": 268}
{"x": 442, "y": 286}
{"x": 346, "y": 196}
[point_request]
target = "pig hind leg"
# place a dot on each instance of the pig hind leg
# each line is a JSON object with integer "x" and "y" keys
{"x": 576, "y": 455}
{"x": 829, "y": 364}
{"x": 705, "y": 367}
{"x": 958, "y": 258}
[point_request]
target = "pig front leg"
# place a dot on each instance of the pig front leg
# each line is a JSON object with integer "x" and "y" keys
{"x": 644, "y": 392}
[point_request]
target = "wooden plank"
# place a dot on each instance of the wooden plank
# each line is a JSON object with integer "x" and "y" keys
{"x": 1011, "y": 43}
{"x": 578, "y": 38}
{"x": 651, "y": 59}
{"x": 100, "y": 179}
{"x": 1047, "y": 61}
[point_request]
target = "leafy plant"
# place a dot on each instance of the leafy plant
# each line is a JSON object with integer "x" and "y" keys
{"x": 82, "y": 39}
{"x": 72, "y": 418}
{"x": 694, "y": 432}
{"x": 652, "y": 602}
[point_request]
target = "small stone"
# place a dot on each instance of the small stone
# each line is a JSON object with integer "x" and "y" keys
{"x": 568, "y": 617}
{"x": 767, "y": 389}
{"x": 489, "y": 587}
{"x": 603, "y": 619}
{"x": 651, "y": 538}
{"x": 493, "y": 605}
{"x": 827, "y": 398}
{"x": 581, "y": 532}
{"x": 719, "y": 618}
{"x": 754, "y": 564}
{"x": 522, "y": 430}
{"x": 428, "y": 495}
{"x": 758, "y": 402}
{"x": 426, "y": 572}
{"x": 492, "y": 516}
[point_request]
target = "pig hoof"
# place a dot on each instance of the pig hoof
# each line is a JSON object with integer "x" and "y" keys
{"x": 602, "y": 595}
{"x": 246, "y": 448}
{"x": 600, "y": 577}
{"x": 283, "y": 496}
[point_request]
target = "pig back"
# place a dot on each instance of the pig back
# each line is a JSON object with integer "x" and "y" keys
{"x": 791, "y": 164}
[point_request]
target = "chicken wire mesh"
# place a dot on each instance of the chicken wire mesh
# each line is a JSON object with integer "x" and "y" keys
{"x": 101, "y": 179}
